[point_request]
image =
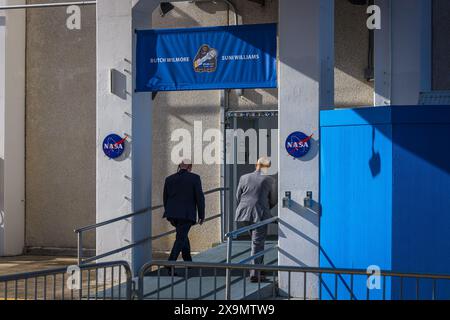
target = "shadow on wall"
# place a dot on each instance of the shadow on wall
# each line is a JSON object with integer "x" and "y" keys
{"x": 423, "y": 146}
{"x": 375, "y": 160}
{"x": 179, "y": 18}
{"x": 250, "y": 99}
{"x": 212, "y": 8}
{"x": 342, "y": 281}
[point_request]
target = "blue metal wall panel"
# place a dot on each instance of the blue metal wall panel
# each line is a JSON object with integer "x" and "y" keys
{"x": 421, "y": 206}
{"x": 385, "y": 181}
{"x": 356, "y": 182}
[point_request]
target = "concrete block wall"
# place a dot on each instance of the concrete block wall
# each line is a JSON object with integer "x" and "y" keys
{"x": 351, "y": 56}
{"x": 60, "y": 127}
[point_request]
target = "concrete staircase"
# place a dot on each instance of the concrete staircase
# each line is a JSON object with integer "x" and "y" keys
{"x": 202, "y": 288}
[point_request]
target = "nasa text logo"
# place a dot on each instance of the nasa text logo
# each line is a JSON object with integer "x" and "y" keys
{"x": 114, "y": 146}
{"x": 298, "y": 144}
{"x": 206, "y": 59}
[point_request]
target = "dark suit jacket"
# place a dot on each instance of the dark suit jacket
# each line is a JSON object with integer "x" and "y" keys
{"x": 183, "y": 196}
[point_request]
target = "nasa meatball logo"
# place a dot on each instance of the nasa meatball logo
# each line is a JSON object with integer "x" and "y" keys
{"x": 298, "y": 144}
{"x": 114, "y": 146}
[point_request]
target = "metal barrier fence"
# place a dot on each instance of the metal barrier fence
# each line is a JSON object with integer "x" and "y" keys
{"x": 113, "y": 281}
{"x": 207, "y": 281}
{"x": 102, "y": 281}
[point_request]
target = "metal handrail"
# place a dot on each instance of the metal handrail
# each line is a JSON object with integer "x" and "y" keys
{"x": 174, "y": 231}
{"x": 154, "y": 208}
{"x": 110, "y": 253}
{"x": 278, "y": 269}
{"x": 273, "y": 268}
{"x": 53, "y": 273}
{"x": 233, "y": 235}
{"x": 137, "y": 243}
{"x": 48, "y": 5}
{"x": 259, "y": 254}
{"x": 47, "y": 272}
{"x": 111, "y": 221}
{"x": 80, "y": 231}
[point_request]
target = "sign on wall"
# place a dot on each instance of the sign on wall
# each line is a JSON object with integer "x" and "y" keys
{"x": 298, "y": 144}
{"x": 114, "y": 146}
{"x": 230, "y": 57}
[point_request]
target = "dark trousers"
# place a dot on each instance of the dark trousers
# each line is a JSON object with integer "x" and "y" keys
{"x": 182, "y": 244}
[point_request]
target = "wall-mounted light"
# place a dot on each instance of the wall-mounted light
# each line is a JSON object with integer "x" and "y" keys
{"x": 165, "y": 8}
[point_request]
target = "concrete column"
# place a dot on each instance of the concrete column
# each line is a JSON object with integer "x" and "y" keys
{"x": 123, "y": 185}
{"x": 382, "y": 56}
{"x": 305, "y": 82}
{"x": 403, "y": 51}
{"x": 142, "y": 147}
{"x": 12, "y": 130}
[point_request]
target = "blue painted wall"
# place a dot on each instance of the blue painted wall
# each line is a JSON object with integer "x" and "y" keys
{"x": 385, "y": 194}
{"x": 421, "y": 211}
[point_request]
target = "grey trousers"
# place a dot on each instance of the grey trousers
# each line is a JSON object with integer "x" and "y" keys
{"x": 258, "y": 241}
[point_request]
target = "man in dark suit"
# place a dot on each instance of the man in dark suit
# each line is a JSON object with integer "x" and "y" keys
{"x": 183, "y": 197}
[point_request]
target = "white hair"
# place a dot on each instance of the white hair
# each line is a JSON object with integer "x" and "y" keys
{"x": 264, "y": 162}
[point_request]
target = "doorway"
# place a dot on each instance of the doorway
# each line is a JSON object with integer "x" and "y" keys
{"x": 243, "y": 158}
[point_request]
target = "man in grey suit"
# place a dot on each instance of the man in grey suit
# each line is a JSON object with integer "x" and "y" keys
{"x": 256, "y": 196}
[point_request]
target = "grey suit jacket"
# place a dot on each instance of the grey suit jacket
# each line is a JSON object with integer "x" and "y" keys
{"x": 256, "y": 196}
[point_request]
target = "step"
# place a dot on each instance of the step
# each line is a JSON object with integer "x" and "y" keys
{"x": 240, "y": 288}
{"x": 209, "y": 286}
{"x": 206, "y": 288}
{"x": 240, "y": 251}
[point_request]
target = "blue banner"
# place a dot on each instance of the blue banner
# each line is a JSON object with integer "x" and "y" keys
{"x": 231, "y": 57}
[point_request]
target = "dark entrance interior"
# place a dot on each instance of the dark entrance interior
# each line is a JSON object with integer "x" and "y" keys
{"x": 246, "y": 120}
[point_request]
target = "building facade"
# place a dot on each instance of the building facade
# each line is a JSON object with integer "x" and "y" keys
{"x": 56, "y": 93}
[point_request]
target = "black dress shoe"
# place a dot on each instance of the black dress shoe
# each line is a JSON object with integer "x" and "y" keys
{"x": 171, "y": 272}
{"x": 255, "y": 279}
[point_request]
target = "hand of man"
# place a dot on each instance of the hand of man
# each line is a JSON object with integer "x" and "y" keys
{"x": 200, "y": 221}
